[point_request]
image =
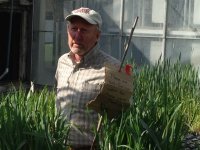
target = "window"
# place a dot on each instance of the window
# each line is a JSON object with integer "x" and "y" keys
{"x": 48, "y": 41}
{"x": 165, "y": 28}
{"x": 183, "y": 19}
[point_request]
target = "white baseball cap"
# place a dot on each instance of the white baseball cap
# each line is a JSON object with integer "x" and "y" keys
{"x": 87, "y": 14}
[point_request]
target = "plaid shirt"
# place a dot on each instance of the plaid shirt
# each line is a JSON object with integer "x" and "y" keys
{"x": 77, "y": 84}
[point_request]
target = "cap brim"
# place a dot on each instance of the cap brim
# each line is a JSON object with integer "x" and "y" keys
{"x": 69, "y": 17}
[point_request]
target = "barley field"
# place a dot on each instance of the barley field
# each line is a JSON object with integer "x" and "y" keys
{"x": 164, "y": 109}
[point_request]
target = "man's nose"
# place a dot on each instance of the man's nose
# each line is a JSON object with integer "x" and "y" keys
{"x": 78, "y": 35}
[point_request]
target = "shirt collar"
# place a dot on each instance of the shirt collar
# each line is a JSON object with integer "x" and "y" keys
{"x": 91, "y": 54}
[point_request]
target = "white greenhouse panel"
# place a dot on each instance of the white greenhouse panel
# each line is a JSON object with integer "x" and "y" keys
{"x": 188, "y": 49}
{"x": 196, "y": 16}
{"x": 158, "y": 6}
{"x": 155, "y": 51}
{"x": 116, "y": 11}
{"x": 49, "y": 25}
{"x": 195, "y": 54}
{"x": 111, "y": 16}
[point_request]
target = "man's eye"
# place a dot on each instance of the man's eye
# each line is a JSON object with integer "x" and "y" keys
{"x": 74, "y": 29}
{"x": 84, "y": 30}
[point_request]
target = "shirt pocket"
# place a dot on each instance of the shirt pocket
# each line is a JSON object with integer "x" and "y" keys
{"x": 89, "y": 91}
{"x": 90, "y": 87}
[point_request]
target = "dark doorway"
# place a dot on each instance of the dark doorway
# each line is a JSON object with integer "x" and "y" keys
{"x": 11, "y": 58}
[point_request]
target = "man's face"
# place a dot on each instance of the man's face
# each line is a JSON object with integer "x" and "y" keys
{"x": 82, "y": 36}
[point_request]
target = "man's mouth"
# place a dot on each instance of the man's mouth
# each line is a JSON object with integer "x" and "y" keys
{"x": 77, "y": 45}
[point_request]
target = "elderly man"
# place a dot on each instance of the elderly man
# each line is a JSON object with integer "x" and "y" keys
{"x": 79, "y": 74}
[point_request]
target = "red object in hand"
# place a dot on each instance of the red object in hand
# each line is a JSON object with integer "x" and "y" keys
{"x": 128, "y": 69}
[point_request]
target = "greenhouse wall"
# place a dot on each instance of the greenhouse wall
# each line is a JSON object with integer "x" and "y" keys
{"x": 166, "y": 29}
